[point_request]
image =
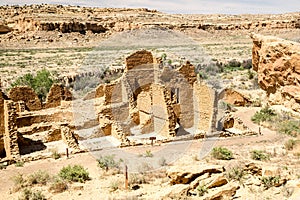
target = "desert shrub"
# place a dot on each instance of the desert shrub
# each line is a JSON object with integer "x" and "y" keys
{"x": 233, "y": 65}
{"x": 162, "y": 161}
{"x": 148, "y": 153}
{"x": 39, "y": 177}
{"x": 201, "y": 190}
{"x": 259, "y": 155}
{"x": 28, "y": 194}
{"x": 19, "y": 164}
{"x": 289, "y": 127}
{"x": 108, "y": 162}
{"x": 55, "y": 155}
{"x": 236, "y": 173}
{"x": 269, "y": 181}
{"x": 289, "y": 145}
{"x": 41, "y": 83}
{"x": 19, "y": 182}
{"x": 137, "y": 178}
{"x": 265, "y": 114}
{"x": 250, "y": 74}
{"x": 221, "y": 153}
{"x": 58, "y": 185}
{"x": 114, "y": 185}
{"x": 247, "y": 64}
{"x": 74, "y": 173}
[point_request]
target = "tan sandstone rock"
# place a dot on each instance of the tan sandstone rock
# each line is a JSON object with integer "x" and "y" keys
{"x": 277, "y": 64}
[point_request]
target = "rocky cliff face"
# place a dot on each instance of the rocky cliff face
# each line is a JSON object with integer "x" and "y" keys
{"x": 68, "y": 19}
{"x": 277, "y": 62}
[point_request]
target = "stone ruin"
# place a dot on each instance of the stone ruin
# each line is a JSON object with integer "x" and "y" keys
{"x": 25, "y": 124}
{"x": 152, "y": 98}
{"x": 148, "y": 98}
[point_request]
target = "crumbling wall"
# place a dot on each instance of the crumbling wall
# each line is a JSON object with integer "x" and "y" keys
{"x": 3, "y": 97}
{"x": 163, "y": 113}
{"x": 27, "y": 95}
{"x": 57, "y": 94}
{"x": 139, "y": 58}
{"x": 204, "y": 99}
{"x": 10, "y": 135}
{"x": 181, "y": 81}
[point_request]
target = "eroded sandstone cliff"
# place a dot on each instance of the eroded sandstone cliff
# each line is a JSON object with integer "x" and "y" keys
{"x": 277, "y": 62}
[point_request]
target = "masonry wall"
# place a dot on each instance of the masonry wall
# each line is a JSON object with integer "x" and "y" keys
{"x": 2, "y": 125}
{"x": 204, "y": 106}
{"x": 10, "y": 134}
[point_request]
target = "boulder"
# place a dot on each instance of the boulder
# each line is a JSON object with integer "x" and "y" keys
{"x": 188, "y": 173}
{"x": 277, "y": 63}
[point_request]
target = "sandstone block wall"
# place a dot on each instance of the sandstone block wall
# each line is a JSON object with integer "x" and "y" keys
{"x": 10, "y": 134}
{"x": 57, "y": 94}
{"x": 139, "y": 58}
{"x": 204, "y": 107}
{"x": 3, "y": 97}
{"x": 27, "y": 95}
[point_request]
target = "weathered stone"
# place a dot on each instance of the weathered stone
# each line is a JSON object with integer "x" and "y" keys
{"x": 139, "y": 58}
{"x": 57, "y": 94}
{"x": 186, "y": 174}
{"x": 10, "y": 135}
{"x": 277, "y": 64}
{"x": 225, "y": 192}
{"x": 4, "y": 29}
{"x": 233, "y": 97}
{"x": 27, "y": 95}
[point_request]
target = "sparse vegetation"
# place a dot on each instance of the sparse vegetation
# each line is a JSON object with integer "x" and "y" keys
{"x": 41, "y": 83}
{"x": 289, "y": 127}
{"x": 74, "y": 173}
{"x": 148, "y": 153}
{"x": 55, "y": 155}
{"x": 265, "y": 114}
{"x": 201, "y": 190}
{"x": 108, "y": 162}
{"x": 237, "y": 174}
{"x": 19, "y": 164}
{"x": 58, "y": 185}
{"x": 162, "y": 161}
{"x": 289, "y": 145}
{"x": 221, "y": 153}
{"x": 39, "y": 177}
{"x": 259, "y": 155}
{"x": 28, "y": 194}
{"x": 269, "y": 181}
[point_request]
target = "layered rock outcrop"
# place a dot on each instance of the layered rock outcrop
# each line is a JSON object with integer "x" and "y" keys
{"x": 277, "y": 62}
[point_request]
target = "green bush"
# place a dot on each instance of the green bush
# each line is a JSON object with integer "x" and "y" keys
{"x": 74, "y": 173}
{"x": 265, "y": 114}
{"x": 148, "y": 153}
{"x": 236, "y": 173}
{"x": 289, "y": 127}
{"x": 41, "y": 83}
{"x": 201, "y": 190}
{"x": 55, "y": 155}
{"x": 108, "y": 162}
{"x": 221, "y": 153}
{"x": 19, "y": 164}
{"x": 269, "y": 181}
{"x": 259, "y": 155}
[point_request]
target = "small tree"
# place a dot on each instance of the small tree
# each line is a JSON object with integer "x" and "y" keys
{"x": 41, "y": 83}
